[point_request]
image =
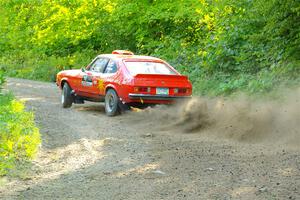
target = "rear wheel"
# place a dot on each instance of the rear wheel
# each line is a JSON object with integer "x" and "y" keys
{"x": 111, "y": 103}
{"x": 123, "y": 107}
{"x": 66, "y": 97}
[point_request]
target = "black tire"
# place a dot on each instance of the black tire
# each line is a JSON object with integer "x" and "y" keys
{"x": 111, "y": 103}
{"x": 66, "y": 96}
{"x": 123, "y": 107}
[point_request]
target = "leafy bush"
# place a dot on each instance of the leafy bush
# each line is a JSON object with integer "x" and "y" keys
{"x": 19, "y": 137}
{"x": 41, "y": 67}
{"x": 2, "y": 80}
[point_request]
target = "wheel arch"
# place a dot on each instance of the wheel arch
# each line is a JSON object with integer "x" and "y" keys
{"x": 63, "y": 81}
{"x": 110, "y": 86}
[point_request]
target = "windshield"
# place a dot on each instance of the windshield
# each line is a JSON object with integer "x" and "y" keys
{"x": 148, "y": 67}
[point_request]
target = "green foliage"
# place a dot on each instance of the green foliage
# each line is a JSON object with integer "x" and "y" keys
{"x": 19, "y": 137}
{"x": 42, "y": 67}
{"x": 223, "y": 45}
{"x": 2, "y": 79}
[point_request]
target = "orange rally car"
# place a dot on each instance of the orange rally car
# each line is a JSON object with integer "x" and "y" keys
{"x": 122, "y": 79}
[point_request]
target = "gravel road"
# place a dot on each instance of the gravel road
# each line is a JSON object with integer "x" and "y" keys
{"x": 139, "y": 155}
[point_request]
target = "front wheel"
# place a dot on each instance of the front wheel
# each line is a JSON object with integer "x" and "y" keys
{"x": 111, "y": 103}
{"x": 66, "y": 96}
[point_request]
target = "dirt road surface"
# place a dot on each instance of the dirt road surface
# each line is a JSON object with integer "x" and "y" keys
{"x": 143, "y": 155}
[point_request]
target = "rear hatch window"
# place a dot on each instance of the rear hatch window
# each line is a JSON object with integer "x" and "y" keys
{"x": 148, "y": 67}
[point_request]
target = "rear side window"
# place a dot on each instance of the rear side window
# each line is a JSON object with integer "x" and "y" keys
{"x": 111, "y": 67}
{"x": 99, "y": 65}
{"x": 148, "y": 67}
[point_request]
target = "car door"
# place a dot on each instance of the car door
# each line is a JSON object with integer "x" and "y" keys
{"x": 104, "y": 77}
{"x": 92, "y": 77}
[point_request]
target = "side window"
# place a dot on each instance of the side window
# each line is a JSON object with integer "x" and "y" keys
{"x": 99, "y": 65}
{"x": 111, "y": 67}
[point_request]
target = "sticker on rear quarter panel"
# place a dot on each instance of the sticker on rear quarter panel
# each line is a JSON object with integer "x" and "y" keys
{"x": 100, "y": 85}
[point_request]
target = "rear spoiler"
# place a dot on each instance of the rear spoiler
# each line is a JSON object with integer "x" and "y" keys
{"x": 161, "y": 76}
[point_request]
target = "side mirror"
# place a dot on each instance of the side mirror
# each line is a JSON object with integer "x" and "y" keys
{"x": 83, "y": 69}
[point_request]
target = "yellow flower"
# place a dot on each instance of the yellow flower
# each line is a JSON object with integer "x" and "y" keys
{"x": 17, "y": 106}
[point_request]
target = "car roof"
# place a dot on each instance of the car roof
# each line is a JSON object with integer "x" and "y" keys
{"x": 130, "y": 57}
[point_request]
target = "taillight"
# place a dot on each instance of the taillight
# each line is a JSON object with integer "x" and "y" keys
{"x": 142, "y": 89}
{"x": 180, "y": 90}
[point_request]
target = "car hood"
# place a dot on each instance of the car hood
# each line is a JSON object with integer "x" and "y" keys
{"x": 72, "y": 72}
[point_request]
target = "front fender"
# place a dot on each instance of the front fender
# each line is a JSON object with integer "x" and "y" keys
{"x": 59, "y": 84}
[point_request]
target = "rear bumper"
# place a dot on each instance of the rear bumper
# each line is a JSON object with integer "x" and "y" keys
{"x": 156, "y": 97}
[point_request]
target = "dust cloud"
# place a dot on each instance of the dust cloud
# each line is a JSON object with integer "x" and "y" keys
{"x": 242, "y": 119}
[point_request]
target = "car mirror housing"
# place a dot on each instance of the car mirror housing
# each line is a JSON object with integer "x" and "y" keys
{"x": 83, "y": 69}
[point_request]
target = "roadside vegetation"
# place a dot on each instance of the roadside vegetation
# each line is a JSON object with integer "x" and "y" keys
{"x": 224, "y": 46}
{"x": 19, "y": 137}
